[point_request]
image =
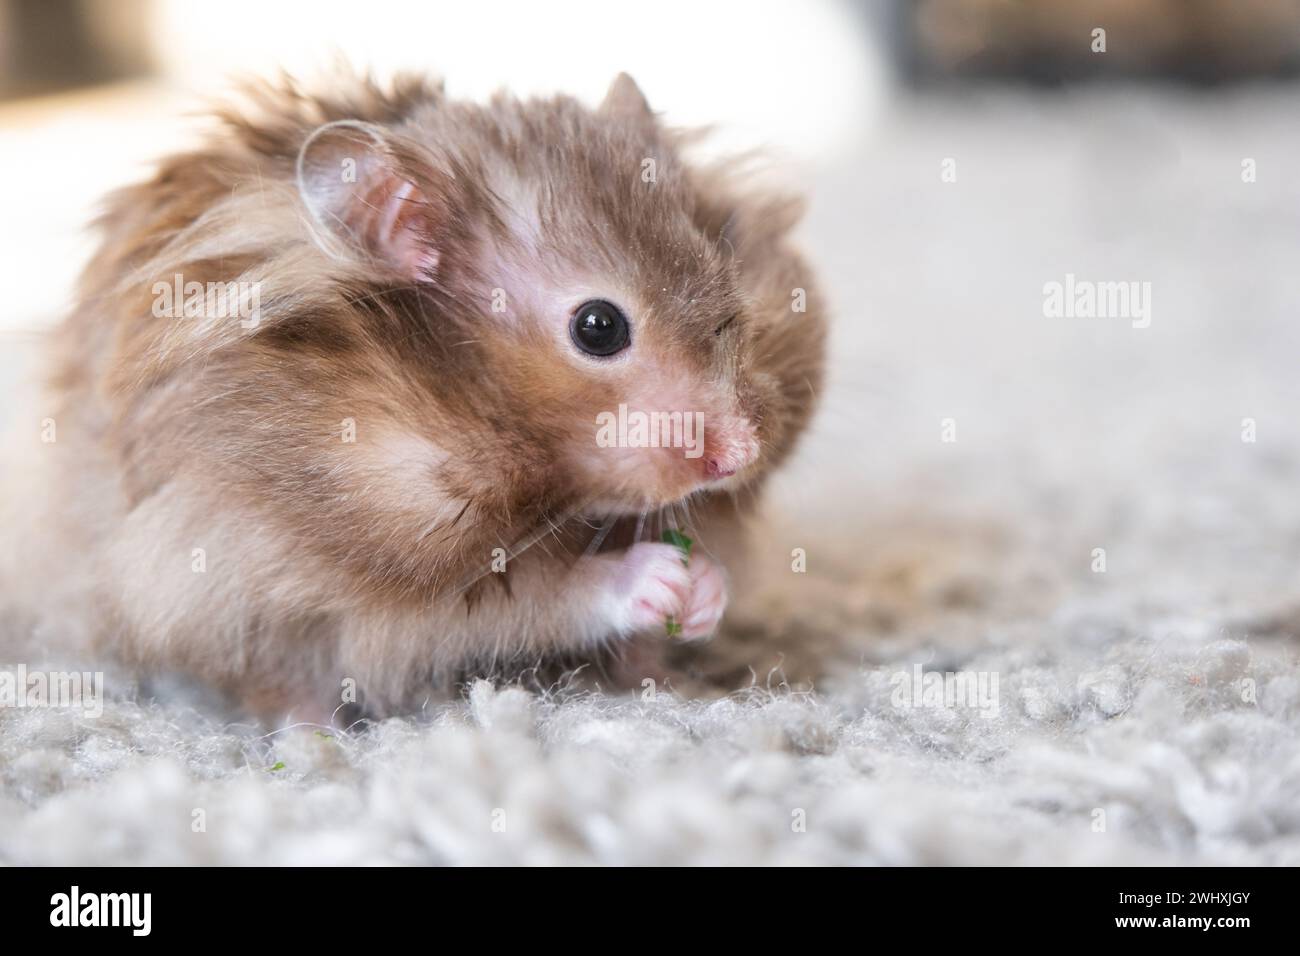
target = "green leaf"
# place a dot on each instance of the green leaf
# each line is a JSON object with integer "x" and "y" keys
{"x": 683, "y": 544}
{"x": 279, "y": 765}
{"x": 680, "y": 542}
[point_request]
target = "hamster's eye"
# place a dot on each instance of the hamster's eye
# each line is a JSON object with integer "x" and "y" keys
{"x": 599, "y": 328}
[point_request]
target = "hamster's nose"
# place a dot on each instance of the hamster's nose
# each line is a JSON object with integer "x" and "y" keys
{"x": 719, "y": 468}
{"x": 728, "y": 451}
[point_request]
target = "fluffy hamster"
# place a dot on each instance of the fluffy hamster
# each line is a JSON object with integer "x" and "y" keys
{"x": 373, "y": 457}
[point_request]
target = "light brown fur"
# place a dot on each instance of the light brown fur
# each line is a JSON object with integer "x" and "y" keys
{"x": 371, "y": 560}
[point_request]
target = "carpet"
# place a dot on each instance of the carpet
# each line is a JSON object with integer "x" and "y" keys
{"x": 1050, "y": 599}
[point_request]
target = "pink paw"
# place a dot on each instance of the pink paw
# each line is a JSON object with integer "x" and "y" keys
{"x": 653, "y": 586}
{"x": 707, "y": 602}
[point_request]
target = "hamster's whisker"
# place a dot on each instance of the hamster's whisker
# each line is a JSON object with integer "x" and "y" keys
{"x": 684, "y": 506}
{"x": 599, "y": 537}
{"x": 668, "y": 516}
{"x": 549, "y": 529}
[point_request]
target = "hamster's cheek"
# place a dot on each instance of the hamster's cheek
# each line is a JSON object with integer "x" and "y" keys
{"x": 398, "y": 472}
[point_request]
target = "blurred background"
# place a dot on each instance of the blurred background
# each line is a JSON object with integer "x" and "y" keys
{"x": 958, "y": 155}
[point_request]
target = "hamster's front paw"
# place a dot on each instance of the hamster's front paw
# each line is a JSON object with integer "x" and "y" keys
{"x": 653, "y": 586}
{"x": 707, "y": 602}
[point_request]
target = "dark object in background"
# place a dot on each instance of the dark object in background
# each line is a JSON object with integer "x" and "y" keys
{"x": 51, "y": 45}
{"x": 1051, "y": 41}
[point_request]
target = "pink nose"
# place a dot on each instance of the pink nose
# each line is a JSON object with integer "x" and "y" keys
{"x": 719, "y": 469}
{"x": 731, "y": 451}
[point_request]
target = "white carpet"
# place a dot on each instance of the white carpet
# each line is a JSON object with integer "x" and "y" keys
{"x": 1147, "y": 714}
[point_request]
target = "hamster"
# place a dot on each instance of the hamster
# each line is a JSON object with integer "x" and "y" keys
{"x": 354, "y": 395}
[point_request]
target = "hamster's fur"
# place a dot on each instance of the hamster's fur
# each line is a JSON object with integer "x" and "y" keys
{"x": 329, "y": 495}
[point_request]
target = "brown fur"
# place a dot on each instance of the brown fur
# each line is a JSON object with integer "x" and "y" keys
{"x": 327, "y": 559}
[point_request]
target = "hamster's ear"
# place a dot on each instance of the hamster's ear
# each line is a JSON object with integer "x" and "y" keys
{"x": 626, "y": 100}
{"x": 363, "y": 199}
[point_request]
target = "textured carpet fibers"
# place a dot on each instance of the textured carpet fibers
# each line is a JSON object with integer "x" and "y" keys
{"x": 1064, "y": 514}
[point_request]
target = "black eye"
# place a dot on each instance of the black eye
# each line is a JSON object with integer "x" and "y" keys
{"x": 599, "y": 328}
